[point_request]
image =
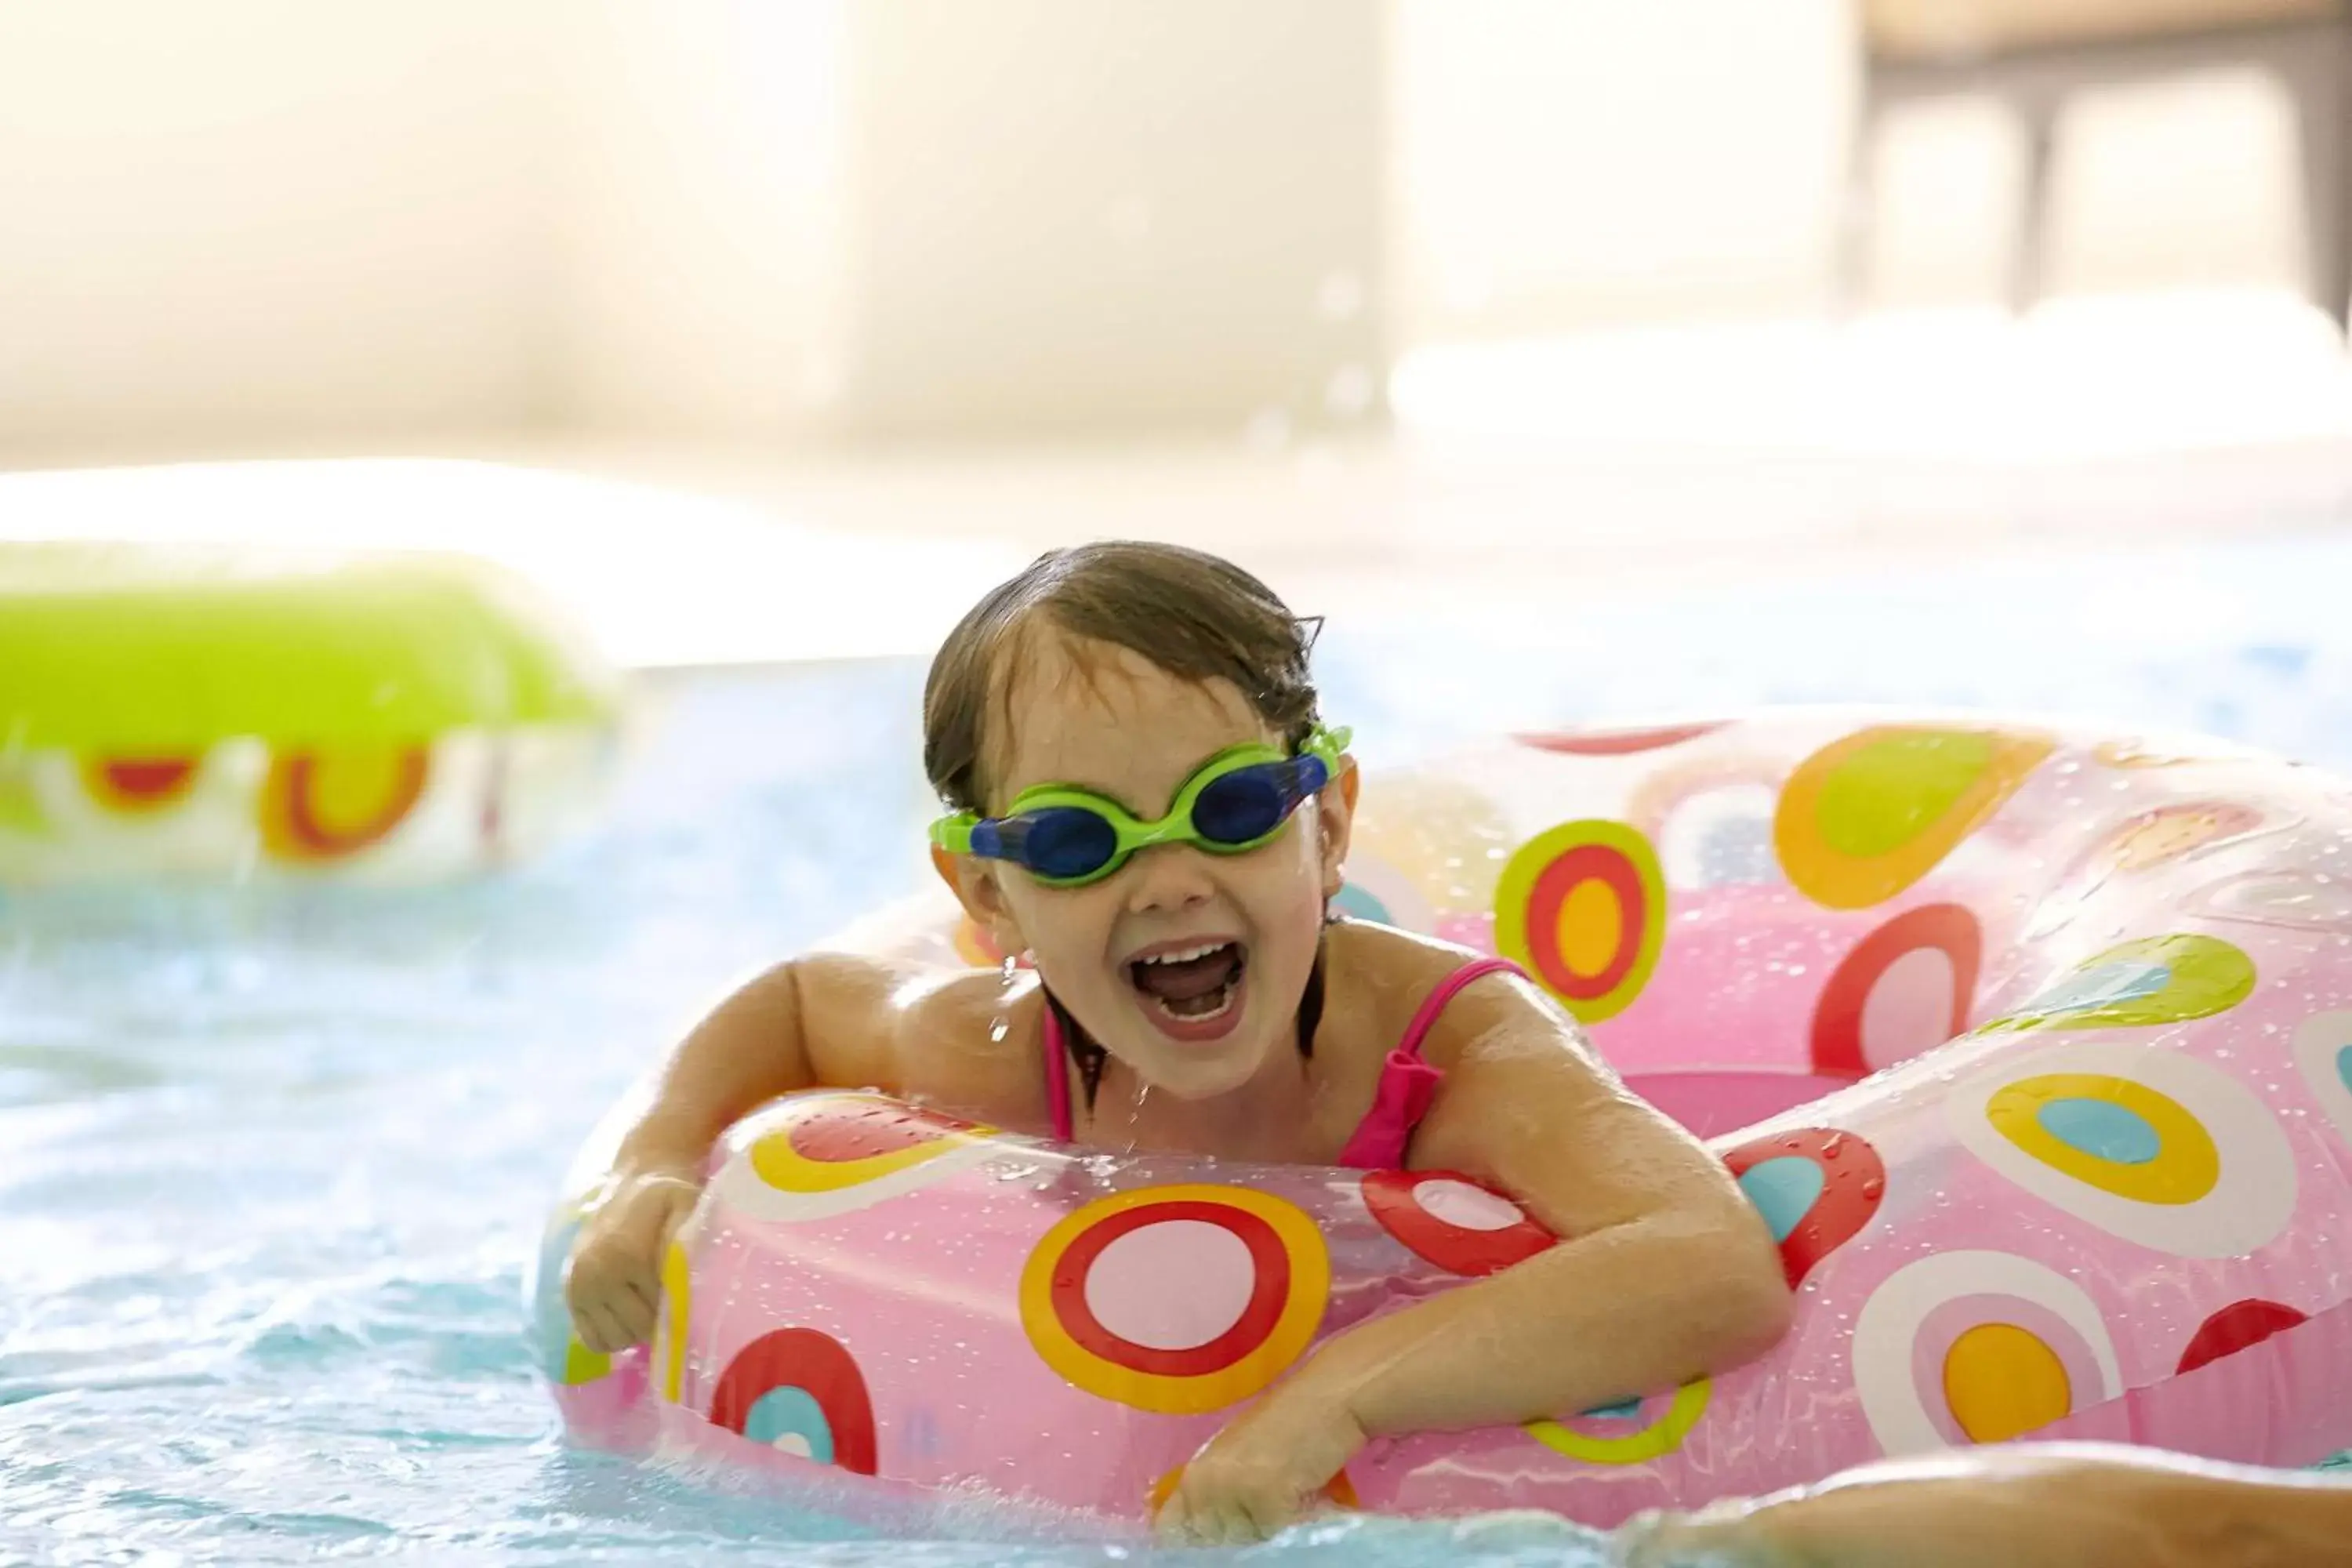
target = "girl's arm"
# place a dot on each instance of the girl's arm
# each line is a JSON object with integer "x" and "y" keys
{"x": 1664, "y": 1271}
{"x": 2033, "y": 1506}
{"x": 824, "y": 1018}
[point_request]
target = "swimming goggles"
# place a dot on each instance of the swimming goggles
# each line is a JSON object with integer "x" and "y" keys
{"x": 1065, "y": 837}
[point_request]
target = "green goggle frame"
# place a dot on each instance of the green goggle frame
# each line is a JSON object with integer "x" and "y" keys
{"x": 1067, "y": 837}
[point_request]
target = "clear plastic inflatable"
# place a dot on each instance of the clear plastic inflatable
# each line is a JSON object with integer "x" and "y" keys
{"x": 2033, "y": 1047}
{"x": 214, "y": 713}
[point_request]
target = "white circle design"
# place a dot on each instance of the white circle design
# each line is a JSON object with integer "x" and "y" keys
{"x": 1172, "y": 1286}
{"x": 1466, "y": 1208}
{"x": 2251, "y": 1199}
{"x": 1721, "y": 837}
{"x": 1910, "y": 1008}
{"x": 1886, "y": 1331}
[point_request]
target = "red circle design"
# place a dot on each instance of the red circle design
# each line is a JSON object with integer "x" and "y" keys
{"x": 316, "y": 837}
{"x": 1837, "y": 1017}
{"x": 2236, "y": 1327}
{"x": 815, "y": 1363}
{"x": 1853, "y": 1183}
{"x": 1586, "y": 863}
{"x": 1618, "y": 742}
{"x": 1269, "y": 1291}
{"x": 148, "y": 780}
{"x": 1389, "y": 1195}
{"x": 845, "y": 1133}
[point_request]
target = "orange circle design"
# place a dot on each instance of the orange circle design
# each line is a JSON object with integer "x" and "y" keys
{"x": 1291, "y": 1283}
{"x": 326, "y": 805}
{"x": 1865, "y": 817}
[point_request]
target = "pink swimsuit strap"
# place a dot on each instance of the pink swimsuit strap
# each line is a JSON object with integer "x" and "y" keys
{"x": 1407, "y": 1083}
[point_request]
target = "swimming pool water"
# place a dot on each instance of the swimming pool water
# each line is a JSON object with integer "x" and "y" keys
{"x": 272, "y": 1161}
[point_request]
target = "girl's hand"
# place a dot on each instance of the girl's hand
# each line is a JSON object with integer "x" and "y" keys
{"x": 613, "y": 1285}
{"x": 1265, "y": 1471}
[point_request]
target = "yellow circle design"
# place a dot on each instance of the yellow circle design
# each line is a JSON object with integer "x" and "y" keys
{"x": 677, "y": 1303}
{"x": 2001, "y": 1382}
{"x": 2186, "y": 1165}
{"x": 1587, "y": 938}
{"x": 1865, "y": 817}
{"x": 1292, "y": 1330}
{"x": 785, "y": 1168}
{"x": 582, "y": 1365}
{"x": 1592, "y": 925}
{"x": 1650, "y": 1442}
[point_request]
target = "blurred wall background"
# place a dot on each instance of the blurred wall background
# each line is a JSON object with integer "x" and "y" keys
{"x": 280, "y": 226}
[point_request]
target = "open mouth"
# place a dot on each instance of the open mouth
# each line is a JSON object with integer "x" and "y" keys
{"x": 1190, "y": 987}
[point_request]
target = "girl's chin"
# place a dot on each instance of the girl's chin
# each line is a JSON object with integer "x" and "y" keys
{"x": 1194, "y": 1073}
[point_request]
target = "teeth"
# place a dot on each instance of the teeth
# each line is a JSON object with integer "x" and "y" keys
{"x": 1186, "y": 955}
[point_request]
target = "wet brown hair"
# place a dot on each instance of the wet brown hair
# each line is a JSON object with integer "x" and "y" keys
{"x": 1195, "y": 615}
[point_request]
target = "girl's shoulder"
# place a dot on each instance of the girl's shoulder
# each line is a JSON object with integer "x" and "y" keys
{"x": 967, "y": 1041}
{"x": 1384, "y": 974}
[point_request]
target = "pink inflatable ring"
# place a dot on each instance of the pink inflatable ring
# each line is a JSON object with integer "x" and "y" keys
{"x": 2033, "y": 1049}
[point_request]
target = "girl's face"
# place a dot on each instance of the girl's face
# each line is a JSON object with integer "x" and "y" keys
{"x": 1186, "y": 966}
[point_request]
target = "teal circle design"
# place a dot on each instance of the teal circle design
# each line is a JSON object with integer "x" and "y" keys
{"x": 2103, "y": 985}
{"x": 789, "y": 1412}
{"x": 2344, "y": 1068}
{"x": 2101, "y": 1129}
{"x": 1624, "y": 1410}
{"x": 1784, "y": 1190}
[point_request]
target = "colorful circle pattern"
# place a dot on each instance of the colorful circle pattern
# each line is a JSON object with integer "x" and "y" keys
{"x": 1618, "y": 742}
{"x": 1906, "y": 988}
{"x": 2281, "y": 901}
{"x": 1179, "y": 1300}
{"x": 1817, "y": 1188}
{"x": 678, "y": 1316}
{"x": 2322, "y": 1045}
{"x": 1630, "y": 1433}
{"x": 815, "y": 1156}
{"x": 2242, "y": 1325}
{"x": 2160, "y": 1149}
{"x": 139, "y": 786}
{"x": 318, "y": 807}
{"x": 1582, "y": 907}
{"x": 2168, "y": 832}
{"x": 799, "y": 1391}
{"x": 1461, "y": 1226}
{"x": 1978, "y": 1347}
{"x": 562, "y": 1355}
{"x": 2138, "y": 984}
{"x": 1865, "y": 817}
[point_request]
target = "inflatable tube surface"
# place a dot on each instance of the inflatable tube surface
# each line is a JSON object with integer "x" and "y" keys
{"x": 2033, "y": 1049}
{"x": 213, "y": 712}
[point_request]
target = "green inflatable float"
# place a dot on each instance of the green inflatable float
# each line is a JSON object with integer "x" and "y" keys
{"x": 219, "y": 713}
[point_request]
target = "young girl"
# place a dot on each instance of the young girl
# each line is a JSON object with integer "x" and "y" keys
{"x": 1146, "y": 805}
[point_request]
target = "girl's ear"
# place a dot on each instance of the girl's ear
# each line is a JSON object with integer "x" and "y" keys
{"x": 1335, "y": 821}
{"x": 980, "y": 889}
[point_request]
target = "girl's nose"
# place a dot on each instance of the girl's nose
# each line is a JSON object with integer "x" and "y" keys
{"x": 1167, "y": 877}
